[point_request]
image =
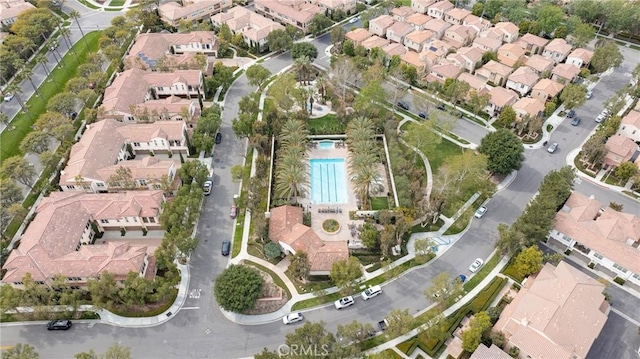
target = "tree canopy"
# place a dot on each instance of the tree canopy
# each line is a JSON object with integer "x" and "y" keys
{"x": 238, "y": 288}
{"x": 301, "y": 49}
{"x": 504, "y": 151}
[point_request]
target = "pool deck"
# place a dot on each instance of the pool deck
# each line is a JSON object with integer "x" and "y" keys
{"x": 318, "y": 218}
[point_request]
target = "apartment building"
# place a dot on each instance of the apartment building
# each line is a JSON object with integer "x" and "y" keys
{"x": 296, "y": 14}
{"x": 191, "y": 10}
{"x": 173, "y": 51}
{"x": 254, "y": 27}
{"x": 10, "y": 9}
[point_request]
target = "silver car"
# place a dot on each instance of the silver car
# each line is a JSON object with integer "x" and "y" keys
{"x": 293, "y": 318}
{"x": 480, "y": 212}
{"x": 477, "y": 264}
{"x": 207, "y": 187}
{"x": 552, "y": 148}
{"x": 344, "y": 302}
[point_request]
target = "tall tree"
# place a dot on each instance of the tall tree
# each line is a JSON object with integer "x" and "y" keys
{"x": 104, "y": 291}
{"x": 19, "y": 169}
{"x": 606, "y": 56}
{"x": 444, "y": 290}
{"x": 338, "y": 34}
{"x": 529, "y": 261}
{"x": 35, "y": 141}
{"x": 344, "y": 273}
{"x": 21, "y": 351}
{"x": 478, "y": 327}
{"x": 299, "y": 266}
{"x": 300, "y": 49}
{"x": 399, "y": 322}
{"x": 279, "y": 40}
{"x": 573, "y": 96}
{"x": 76, "y": 15}
{"x": 238, "y": 288}
{"x": 257, "y": 74}
{"x": 504, "y": 151}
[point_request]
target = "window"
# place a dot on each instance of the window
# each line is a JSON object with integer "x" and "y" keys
{"x": 104, "y": 221}
{"x": 636, "y": 276}
{"x": 18, "y": 283}
{"x": 87, "y": 226}
{"x": 152, "y": 220}
{"x": 145, "y": 220}
{"x": 71, "y": 187}
{"x": 620, "y": 268}
{"x": 99, "y": 184}
{"x": 597, "y": 255}
{"x": 136, "y": 144}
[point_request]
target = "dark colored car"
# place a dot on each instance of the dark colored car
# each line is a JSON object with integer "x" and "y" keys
{"x": 226, "y": 247}
{"x": 441, "y": 107}
{"x": 218, "y": 138}
{"x": 59, "y": 325}
{"x": 422, "y": 115}
{"x": 571, "y": 114}
{"x": 575, "y": 121}
{"x": 403, "y": 105}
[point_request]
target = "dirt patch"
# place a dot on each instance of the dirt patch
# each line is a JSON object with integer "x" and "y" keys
{"x": 272, "y": 298}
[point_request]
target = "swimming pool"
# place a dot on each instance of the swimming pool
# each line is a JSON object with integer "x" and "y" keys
{"x": 328, "y": 180}
{"x": 325, "y": 145}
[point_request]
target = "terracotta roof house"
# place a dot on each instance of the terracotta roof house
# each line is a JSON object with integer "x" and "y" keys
{"x": 357, "y": 36}
{"x": 132, "y": 88}
{"x": 379, "y": 25}
{"x": 487, "y": 44}
{"x": 540, "y": 64}
{"x": 437, "y": 26}
{"x": 558, "y": 314}
{"x": 418, "y": 20}
{"x": 599, "y": 235}
{"x": 443, "y": 71}
{"x": 374, "y": 41}
{"x": 108, "y": 143}
{"x": 456, "y": 16}
{"x": 287, "y": 230}
{"x": 532, "y": 44}
{"x": 467, "y": 57}
{"x": 348, "y": 6}
{"x": 476, "y": 83}
{"x": 419, "y": 61}
{"x": 417, "y": 39}
{"x": 435, "y": 51}
{"x": 580, "y": 57}
{"x": 296, "y": 14}
{"x": 459, "y": 36}
{"x": 522, "y": 80}
{"x": 191, "y": 10}
{"x": 477, "y": 23}
{"x": 492, "y": 33}
{"x": 493, "y": 352}
{"x": 176, "y": 49}
{"x": 510, "y": 31}
{"x": 546, "y": 90}
{"x": 510, "y": 54}
{"x": 401, "y": 13}
{"x": 394, "y": 49}
{"x": 566, "y": 73}
{"x": 254, "y": 27}
{"x": 398, "y": 31}
{"x": 500, "y": 97}
{"x": 527, "y": 106}
{"x": 630, "y": 126}
{"x": 438, "y": 9}
{"x": 494, "y": 72}
{"x": 421, "y": 6}
{"x": 9, "y": 10}
{"x": 621, "y": 149}
{"x": 557, "y": 50}
{"x": 60, "y": 240}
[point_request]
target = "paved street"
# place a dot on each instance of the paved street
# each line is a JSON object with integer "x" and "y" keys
{"x": 201, "y": 331}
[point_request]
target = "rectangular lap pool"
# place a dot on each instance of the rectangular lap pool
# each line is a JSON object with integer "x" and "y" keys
{"x": 328, "y": 180}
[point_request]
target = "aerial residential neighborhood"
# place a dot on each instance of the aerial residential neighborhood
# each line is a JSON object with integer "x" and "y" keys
{"x": 324, "y": 178}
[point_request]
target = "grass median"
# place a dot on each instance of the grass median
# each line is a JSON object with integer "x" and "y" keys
{"x": 36, "y": 105}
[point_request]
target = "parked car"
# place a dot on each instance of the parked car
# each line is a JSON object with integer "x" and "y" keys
{"x": 234, "y": 211}
{"x": 575, "y": 121}
{"x": 371, "y": 292}
{"x": 477, "y": 264}
{"x": 218, "y": 138}
{"x": 383, "y": 324}
{"x": 571, "y": 114}
{"x": 293, "y": 318}
{"x": 552, "y": 148}
{"x": 404, "y": 105}
{"x": 589, "y": 95}
{"x": 59, "y": 325}
{"x": 480, "y": 212}
{"x": 344, "y": 302}
{"x": 421, "y": 114}
{"x": 207, "y": 187}
{"x": 441, "y": 107}
{"x": 8, "y": 97}
{"x": 226, "y": 247}
{"x": 462, "y": 278}
{"x": 353, "y": 20}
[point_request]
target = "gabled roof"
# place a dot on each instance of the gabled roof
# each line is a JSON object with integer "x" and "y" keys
{"x": 507, "y": 27}
{"x": 442, "y": 6}
{"x": 530, "y": 39}
{"x": 419, "y": 36}
{"x": 254, "y": 26}
{"x": 436, "y": 25}
{"x": 566, "y": 71}
{"x": 458, "y": 14}
{"x": 528, "y": 106}
{"x": 582, "y": 54}
{"x": 301, "y": 12}
{"x": 557, "y": 314}
{"x": 497, "y": 68}
{"x": 501, "y": 96}
{"x": 393, "y": 49}
{"x": 539, "y": 63}
{"x": 49, "y": 244}
{"x": 383, "y": 21}
{"x": 524, "y": 75}
{"x": 631, "y": 119}
{"x": 11, "y": 9}
{"x": 402, "y": 11}
{"x": 550, "y": 87}
{"x": 400, "y": 29}
{"x": 475, "y": 82}
{"x": 374, "y": 41}
{"x": 494, "y": 352}
{"x": 152, "y": 46}
{"x": 488, "y": 42}
{"x": 621, "y": 147}
{"x": 358, "y": 35}
{"x": 560, "y": 46}
{"x": 417, "y": 19}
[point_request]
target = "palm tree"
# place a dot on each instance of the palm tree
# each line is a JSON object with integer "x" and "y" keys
{"x": 42, "y": 59}
{"x": 363, "y": 178}
{"x": 66, "y": 34}
{"x": 28, "y": 74}
{"x": 303, "y": 67}
{"x": 75, "y": 15}
{"x": 291, "y": 180}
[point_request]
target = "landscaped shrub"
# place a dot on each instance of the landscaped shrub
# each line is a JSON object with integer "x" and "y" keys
{"x": 592, "y": 265}
{"x": 619, "y": 280}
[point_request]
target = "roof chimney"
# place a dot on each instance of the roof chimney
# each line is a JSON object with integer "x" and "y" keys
{"x": 525, "y": 322}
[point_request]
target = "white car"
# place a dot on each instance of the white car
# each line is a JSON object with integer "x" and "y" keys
{"x": 552, "y": 148}
{"x": 8, "y": 97}
{"x": 480, "y": 212}
{"x": 477, "y": 264}
{"x": 344, "y": 302}
{"x": 207, "y": 187}
{"x": 353, "y": 20}
{"x": 293, "y": 318}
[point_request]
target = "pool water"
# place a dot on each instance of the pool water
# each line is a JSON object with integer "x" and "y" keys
{"x": 328, "y": 180}
{"x": 325, "y": 145}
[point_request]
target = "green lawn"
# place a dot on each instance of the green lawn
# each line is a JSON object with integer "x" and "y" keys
{"x": 10, "y": 140}
{"x": 89, "y": 5}
{"x": 438, "y": 155}
{"x": 326, "y": 125}
{"x": 378, "y": 203}
{"x": 117, "y": 2}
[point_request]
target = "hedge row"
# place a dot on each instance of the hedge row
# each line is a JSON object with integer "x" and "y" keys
{"x": 477, "y": 304}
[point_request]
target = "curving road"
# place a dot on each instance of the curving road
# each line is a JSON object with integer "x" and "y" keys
{"x": 199, "y": 330}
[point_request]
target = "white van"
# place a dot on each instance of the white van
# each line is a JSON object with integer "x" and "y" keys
{"x": 371, "y": 292}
